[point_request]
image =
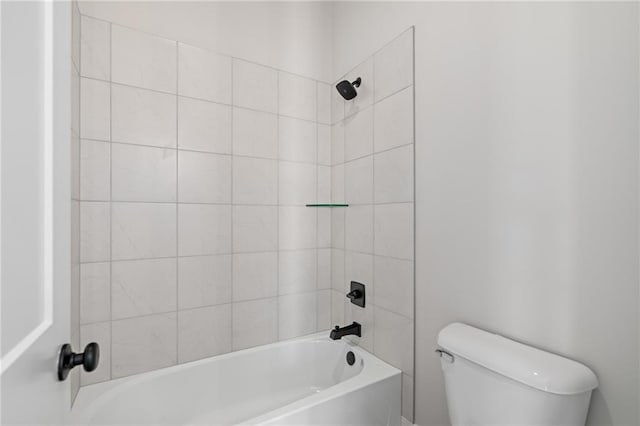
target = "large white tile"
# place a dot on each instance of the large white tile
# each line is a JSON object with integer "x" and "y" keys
{"x": 359, "y": 228}
{"x": 204, "y": 126}
{"x": 338, "y": 218}
{"x": 394, "y": 286}
{"x": 204, "y": 281}
{"x": 95, "y": 47}
{"x": 204, "y": 74}
{"x": 204, "y": 332}
{"x": 142, "y": 60}
{"x": 324, "y": 184}
{"x": 324, "y": 310}
{"x": 74, "y": 166}
{"x": 394, "y": 230}
{"x": 359, "y": 267}
{"x": 297, "y": 271}
{"x": 94, "y": 231}
{"x": 324, "y": 269}
{"x": 358, "y": 178}
{"x": 255, "y": 86}
{"x": 254, "y": 323}
{"x": 297, "y": 96}
{"x": 297, "y": 140}
{"x": 297, "y": 315}
{"x": 255, "y": 133}
{"x": 324, "y": 227}
{"x": 364, "y": 99}
{"x": 143, "y": 117}
{"x": 366, "y": 318}
{"x": 143, "y": 344}
{"x": 324, "y": 144}
{"x": 204, "y": 178}
{"x": 394, "y": 175}
{"x": 358, "y": 135}
{"x": 393, "y": 339}
{"x": 255, "y": 275}
{"x": 95, "y": 170}
{"x": 337, "y": 143}
{"x": 95, "y": 292}
{"x": 297, "y": 228}
{"x": 297, "y": 183}
{"x": 255, "y": 228}
{"x": 338, "y": 184}
{"x": 143, "y": 230}
{"x": 143, "y": 287}
{"x": 141, "y": 173}
{"x": 337, "y": 105}
{"x": 337, "y": 308}
{"x": 75, "y": 102}
{"x": 101, "y": 334}
{"x": 394, "y": 66}
{"x": 95, "y": 113}
{"x": 324, "y": 103}
{"x": 338, "y": 282}
{"x": 204, "y": 229}
{"x": 393, "y": 121}
{"x": 255, "y": 181}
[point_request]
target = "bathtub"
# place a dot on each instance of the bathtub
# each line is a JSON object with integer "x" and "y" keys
{"x": 306, "y": 381}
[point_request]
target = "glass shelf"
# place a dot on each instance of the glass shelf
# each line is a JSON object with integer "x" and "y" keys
{"x": 327, "y": 205}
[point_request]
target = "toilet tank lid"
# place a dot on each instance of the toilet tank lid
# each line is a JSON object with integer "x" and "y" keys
{"x": 533, "y": 367}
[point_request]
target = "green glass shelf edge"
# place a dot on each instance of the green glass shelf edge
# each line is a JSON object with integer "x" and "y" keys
{"x": 327, "y": 205}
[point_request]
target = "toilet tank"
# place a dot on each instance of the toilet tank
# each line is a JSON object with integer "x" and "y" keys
{"x": 492, "y": 380}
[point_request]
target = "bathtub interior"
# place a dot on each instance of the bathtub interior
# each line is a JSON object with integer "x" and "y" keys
{"x": 227, "y": 389}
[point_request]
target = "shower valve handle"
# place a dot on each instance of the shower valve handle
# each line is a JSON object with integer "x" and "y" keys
{"x": 354, "y": 294}
{"x": 67, "y": 359}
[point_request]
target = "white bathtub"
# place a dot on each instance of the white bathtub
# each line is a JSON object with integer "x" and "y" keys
{"x": 305, "y": 381}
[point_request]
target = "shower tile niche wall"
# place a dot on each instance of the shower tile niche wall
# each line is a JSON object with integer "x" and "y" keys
{"x": 372, "y": 241}
{"x": 195, "y": 169}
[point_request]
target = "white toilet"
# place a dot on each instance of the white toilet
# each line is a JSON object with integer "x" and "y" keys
{"x": 492, "y": 380}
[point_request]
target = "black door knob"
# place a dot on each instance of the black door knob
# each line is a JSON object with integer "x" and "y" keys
{"x": 67, "y": 359}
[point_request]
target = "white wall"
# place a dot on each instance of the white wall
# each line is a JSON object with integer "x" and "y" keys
{"x": 293, "y": 36}
{"x": 526, "y": 180}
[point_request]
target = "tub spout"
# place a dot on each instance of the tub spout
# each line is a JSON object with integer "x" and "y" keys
{"x": 339, "y": 333}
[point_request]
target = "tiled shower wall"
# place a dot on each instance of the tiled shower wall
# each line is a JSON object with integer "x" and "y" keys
{"x": 373, "y": 239}
{"x": 195, "y": 169}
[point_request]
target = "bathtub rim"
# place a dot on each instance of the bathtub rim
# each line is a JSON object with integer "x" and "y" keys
{"x": 92, "y": 397}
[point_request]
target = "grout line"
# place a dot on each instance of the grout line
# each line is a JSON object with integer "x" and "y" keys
{"x": 222, "y": 154}
{"x": 177, "y": 210}
{"x": 233, "y": 160}
{"x": 278, "y": 274}
{"x": 373, "y": 191}
{"x": 315, "y": 277}
{"x": 110, "y": 199}
{"x": 204, "y": 100}
{"x": 79, "y": 194}
{"x": 302, "y": 249}
{"x": 148, "y": 33}
{"x": 413, "y": 313}
{"x": 372, "y": 55}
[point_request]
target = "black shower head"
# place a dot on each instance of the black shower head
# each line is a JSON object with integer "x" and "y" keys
{"x": 348, "y": 90}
